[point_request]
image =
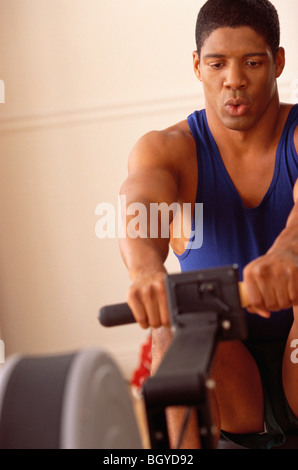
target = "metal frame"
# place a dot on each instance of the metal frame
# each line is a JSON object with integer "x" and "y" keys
{"x": 205, "y": 308}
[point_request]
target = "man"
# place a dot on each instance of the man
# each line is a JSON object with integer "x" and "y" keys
{"x": 238, "y": 157}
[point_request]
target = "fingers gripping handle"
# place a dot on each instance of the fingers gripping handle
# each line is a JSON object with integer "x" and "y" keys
{"x": 121, "y": 314}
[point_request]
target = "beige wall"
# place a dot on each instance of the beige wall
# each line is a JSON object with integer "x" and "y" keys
{"x": 83, "y": 80}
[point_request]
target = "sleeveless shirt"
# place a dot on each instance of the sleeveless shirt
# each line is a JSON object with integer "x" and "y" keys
{"x": 233, "y": 233}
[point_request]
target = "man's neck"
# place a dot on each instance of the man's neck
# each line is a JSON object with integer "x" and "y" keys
{"x": 264, "y": 134}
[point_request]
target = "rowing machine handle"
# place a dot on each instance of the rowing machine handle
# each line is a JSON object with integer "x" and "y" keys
{"x": 116, "y": 315}
{"x": 121, "y": 314}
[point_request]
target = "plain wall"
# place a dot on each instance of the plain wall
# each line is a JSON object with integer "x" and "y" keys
{"x": 84, "y": 79}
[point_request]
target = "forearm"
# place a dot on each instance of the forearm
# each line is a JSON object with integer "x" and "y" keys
{"x": 143, "y": 244}
{"x": 142, "y": 255}
{"x": 146, "y": 296}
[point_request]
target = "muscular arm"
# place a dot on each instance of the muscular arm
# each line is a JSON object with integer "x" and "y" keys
{"x": 152, "y": 178}
{"x": 271, "y": 281}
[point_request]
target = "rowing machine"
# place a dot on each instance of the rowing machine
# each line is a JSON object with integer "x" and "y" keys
{"x": 205, "y": 308}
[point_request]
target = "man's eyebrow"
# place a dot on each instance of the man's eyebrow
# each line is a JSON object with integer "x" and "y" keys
{"x": 215, "y": 56}
{"x": 220, "y": 56}
{"x": 256, "y": 54}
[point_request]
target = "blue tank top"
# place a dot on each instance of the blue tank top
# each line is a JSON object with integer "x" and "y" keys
{"x": 232, "y": 233}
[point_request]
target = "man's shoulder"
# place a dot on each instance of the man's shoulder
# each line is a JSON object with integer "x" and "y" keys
{"x": 166, "y": 145}
{"x": 177, "y": 134}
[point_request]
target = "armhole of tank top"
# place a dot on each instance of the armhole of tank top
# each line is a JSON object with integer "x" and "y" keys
{"x": 193, "y": 223}
{"x": 189, "y": 245}
{"x": 196, "y": 139}
{"x": 292, "y": 128}
{"x": 293, "y": 148}
{"x": 287, "y": 134}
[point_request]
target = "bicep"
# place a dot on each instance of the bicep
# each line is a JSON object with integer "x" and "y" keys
{"x": 152, "y": 176}
{"x": 150, "y": 186}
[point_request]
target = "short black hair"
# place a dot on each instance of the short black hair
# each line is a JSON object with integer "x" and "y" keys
{"x": 259, "y": 15}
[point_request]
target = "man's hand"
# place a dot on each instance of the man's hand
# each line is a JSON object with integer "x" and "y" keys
{"x": 147, "y": 299}
{"x": 271, "y": 281}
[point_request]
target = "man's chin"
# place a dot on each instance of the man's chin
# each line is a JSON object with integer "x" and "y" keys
{"x": 239, "y": 123}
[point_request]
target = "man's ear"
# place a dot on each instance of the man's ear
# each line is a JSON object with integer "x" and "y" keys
{"x": 196, "y": 65}
{"x": 280, "y": 61}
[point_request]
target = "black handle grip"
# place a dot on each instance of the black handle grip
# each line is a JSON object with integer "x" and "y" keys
{"x": 116, "y": 315}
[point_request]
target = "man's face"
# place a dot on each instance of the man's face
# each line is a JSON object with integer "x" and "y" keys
{"x": 238, "y": 73}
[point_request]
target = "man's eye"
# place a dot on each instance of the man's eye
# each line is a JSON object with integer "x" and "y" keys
{"x": 253, "y": 63}
{"x": 217, "y": 65}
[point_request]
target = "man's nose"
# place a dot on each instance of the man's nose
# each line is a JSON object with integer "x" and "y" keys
{"x": 235, "y": 77}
